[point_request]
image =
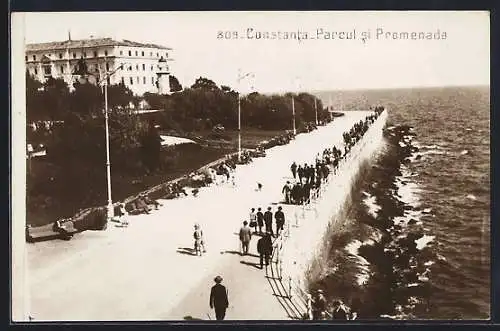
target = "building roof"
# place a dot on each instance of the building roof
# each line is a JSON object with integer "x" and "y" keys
{"x": 85, "y": 43}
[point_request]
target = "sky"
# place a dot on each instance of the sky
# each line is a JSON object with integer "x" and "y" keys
{"x": 203, "y": 44}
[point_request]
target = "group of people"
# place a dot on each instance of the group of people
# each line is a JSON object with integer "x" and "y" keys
{"x": 142, "y": 205}
{"x": 307, "y": 182}
{"x": 307, "y": 179}
{"x": 259, "y": 219}
{"x": 359, "y": 129}
{"x": 264, "y": 245}
{"x": 339, "y": 311}
{"x": 174, "y": 190}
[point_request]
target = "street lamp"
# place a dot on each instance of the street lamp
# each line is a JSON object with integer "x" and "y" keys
{"x": 83, "y": 73}
{"x": 293, "y": 114}
{"x": 316, "y": 109}
{"x": 297, "y": 83}
{"x": 240, "y": 78}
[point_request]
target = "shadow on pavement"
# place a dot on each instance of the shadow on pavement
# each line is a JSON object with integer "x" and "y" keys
{"x": 238, "y": 253}
{"x": 186, "y": 250}
{"x": 255, "y": 265}
{"x": 191, "y": 318}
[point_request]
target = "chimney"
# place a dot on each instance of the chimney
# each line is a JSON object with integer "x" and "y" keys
{"x": 69, "y": 35}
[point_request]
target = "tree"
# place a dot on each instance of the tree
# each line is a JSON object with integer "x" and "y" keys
{"x": 86, "y": 99}
{"x": 150, "y": 148}
{"x": 119, "y": 96}
{"x": 204, "y": 83}
{"x": 54, "y": 98}
{"x": 33, "y": 109}
{"x": 175, "y": 86}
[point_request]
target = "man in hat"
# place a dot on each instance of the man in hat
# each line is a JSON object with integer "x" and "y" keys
{"x": 219, "y": 299}
{"x": 287, "y": 190}
{"x": 245, "y": 237}
{"x": 141, "y": 205}
{"x": 340, "y": 311}
{"x": 280, "y": 220}
{"x": 293, "y": 168}
{"x": 265, "y": 249}
{"x": 260, "y": 219}
{"x": 253, "y": 219}
{"x": 268, "y": 220}
{"x": 199, "y": 241}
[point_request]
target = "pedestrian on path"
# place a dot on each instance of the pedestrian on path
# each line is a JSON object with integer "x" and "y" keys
{"x": 199, "y": 241}
{"x": 260, "y": 219}
{"x": 293, "y": 167}
{"x": 122, "y": 215}
{"x": 253, "y": 219}
{"x": 287, "y": 191}
{"x": 268, "y": 220}
{"x": 265, "y": 249}
{"x": 300, "y": 173}
{"x": 219, "y": 299}
{"x": 280, "y": 220}
{"x": 245, "y": 237}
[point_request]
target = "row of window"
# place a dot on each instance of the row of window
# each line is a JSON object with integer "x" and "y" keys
{"x": 95, "y": 53}
{"x": 48, "y": 69}
{"x": 143, "y": 66}
{"x": 138, "y": 80}
{"x": 84, "y": 54}
{"x": 144, "y": 54}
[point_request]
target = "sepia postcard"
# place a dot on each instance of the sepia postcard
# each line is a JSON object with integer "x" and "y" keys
{"x": 250, "y": 166}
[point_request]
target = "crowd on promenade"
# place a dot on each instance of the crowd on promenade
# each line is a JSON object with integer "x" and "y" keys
{"x": 307, "y": 179}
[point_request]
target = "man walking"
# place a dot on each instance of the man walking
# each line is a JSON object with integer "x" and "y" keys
{"x": 287, "y": 191}
{"x": 260, "y": 219}
{"x": 293, "y": 167}
{"x": 253, "y": 219}
{"x": 265, "y": 249}
{"x": 268, "y": 220}
{"x": 280, "y": 221}
{"x": 245, "y": 237}
{"x": 219, "y": 299}
{"x": 300, "y": 173}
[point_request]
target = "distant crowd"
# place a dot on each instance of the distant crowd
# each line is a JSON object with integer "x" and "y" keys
{"x": 307, "y": 179}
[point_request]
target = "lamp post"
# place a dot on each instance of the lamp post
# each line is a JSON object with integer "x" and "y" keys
{"x": 82, "y": 72}
{"x": 240, "y": 78}
{"x": 330, "y": 106}
{"x": 297, "y": 84}
{"x": 316, "y": 109}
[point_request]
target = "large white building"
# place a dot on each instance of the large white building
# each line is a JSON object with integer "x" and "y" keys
{"x": 145, "y": 66}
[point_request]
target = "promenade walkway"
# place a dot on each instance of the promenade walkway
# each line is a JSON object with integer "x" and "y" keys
{"x": 147, "y": 271}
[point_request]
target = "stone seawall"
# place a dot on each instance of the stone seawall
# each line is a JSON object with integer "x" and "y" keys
{"x": 307, "y": 225}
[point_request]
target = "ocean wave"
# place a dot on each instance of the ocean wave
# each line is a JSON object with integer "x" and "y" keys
{"x": 370, "y": 201}
{"x": 363, "y": 265}
{"x": 471, "y": 197}
{"x": 424, "y": 241}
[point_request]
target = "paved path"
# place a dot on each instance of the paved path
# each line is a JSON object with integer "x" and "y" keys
{"x": 250, "y": 296}
{"x": 146, "y": 271}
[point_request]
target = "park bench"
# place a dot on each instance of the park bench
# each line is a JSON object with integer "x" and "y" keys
{"x": 132, "y": 209}
{"x": 46, "y": 232}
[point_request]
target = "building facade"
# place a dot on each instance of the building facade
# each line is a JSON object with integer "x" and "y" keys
{"x": 145, "y": 66}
